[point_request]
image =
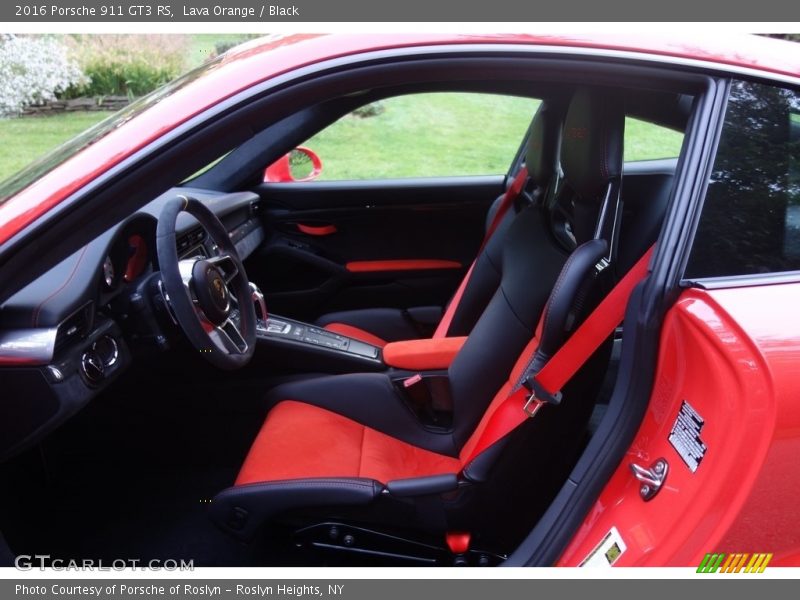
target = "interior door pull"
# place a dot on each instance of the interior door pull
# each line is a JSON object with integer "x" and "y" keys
{"x": 316, "y": 230}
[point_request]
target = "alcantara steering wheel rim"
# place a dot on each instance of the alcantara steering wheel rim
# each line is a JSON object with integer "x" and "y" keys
{"x": 209, "y": 296}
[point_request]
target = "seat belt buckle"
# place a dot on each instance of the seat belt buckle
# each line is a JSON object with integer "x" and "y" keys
{"x": 538, "y": 396}
{"x": 532, "y": 405}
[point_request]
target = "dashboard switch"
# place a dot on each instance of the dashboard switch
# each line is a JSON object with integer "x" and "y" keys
{"x": 92, "y": 367}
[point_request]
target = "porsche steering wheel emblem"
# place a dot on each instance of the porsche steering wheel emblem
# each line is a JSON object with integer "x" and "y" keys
{"x": 219, "y": 287}
{"x": 219, "y": 292}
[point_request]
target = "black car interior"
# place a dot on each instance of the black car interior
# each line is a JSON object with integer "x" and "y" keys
{"x": 319, "y": 438}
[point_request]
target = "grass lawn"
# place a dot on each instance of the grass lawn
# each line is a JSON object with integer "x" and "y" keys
{"x": 423, "y": 135}
{"x": 27, "y": 138}
{"x": 426, "y": 135}
{"x": 451, "y": 134}
{"x": 645, "y": 141}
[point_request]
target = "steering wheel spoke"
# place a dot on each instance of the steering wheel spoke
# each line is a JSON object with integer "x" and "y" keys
{"x": 228, "y": 337}
{"x": 226, "y": 265}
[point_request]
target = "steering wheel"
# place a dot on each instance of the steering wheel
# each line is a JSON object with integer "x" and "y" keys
{"x": 209, "y": 297}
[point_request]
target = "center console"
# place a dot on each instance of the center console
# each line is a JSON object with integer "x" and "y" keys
{"x": 315, "y": 349}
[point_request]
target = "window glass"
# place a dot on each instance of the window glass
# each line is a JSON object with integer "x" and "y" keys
{"x": 648, "y": 141}
{"x": 425, "y": 135}
{"x": 751, "y": 217}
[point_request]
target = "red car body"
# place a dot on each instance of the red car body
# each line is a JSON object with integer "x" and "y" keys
{"x": 720, "y": 346}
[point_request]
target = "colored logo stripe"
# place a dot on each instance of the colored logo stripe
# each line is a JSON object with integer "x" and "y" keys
{"x": 734, "y": 563}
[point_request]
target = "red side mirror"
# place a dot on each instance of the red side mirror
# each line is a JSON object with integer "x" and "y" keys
{"x": 293, "y": 166}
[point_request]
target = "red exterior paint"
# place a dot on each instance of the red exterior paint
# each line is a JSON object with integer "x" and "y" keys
{"x": 265, "y": 59}
{"x": 743, "y": 495}
{"x": 281, "y": 171}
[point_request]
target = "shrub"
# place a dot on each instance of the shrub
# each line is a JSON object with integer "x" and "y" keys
{"x": 32, "y": 71}
{"x": 127, "y": 65}
{"x": 223, "y": 47}
{"x": 372, "y": 109}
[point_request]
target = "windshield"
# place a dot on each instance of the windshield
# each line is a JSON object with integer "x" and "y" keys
{"x": 62, "y": 153}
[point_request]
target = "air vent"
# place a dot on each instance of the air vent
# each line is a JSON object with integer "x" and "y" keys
{"x": 190, "y": 240}
{"x": 74, "y": 327}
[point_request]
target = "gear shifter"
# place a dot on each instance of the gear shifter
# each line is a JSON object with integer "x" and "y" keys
{"x": 261, "y": 306}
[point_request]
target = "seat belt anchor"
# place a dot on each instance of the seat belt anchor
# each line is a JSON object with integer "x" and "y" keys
{"x": 538, "y": 396}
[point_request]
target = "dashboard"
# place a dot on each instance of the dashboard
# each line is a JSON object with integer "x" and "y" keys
{"x": 68, "y": 334}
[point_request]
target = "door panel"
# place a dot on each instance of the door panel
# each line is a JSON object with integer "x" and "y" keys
{"x": 6, "y": 556}
{"x": 346, "y": 245}
{"x": 735, "y": 365}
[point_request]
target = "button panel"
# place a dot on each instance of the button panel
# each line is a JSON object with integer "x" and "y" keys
{"x": 309, "y": 334}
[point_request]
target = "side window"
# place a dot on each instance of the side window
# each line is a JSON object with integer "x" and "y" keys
{"x": 648, "y": 141}
{"x": 439, "y": 134}
{"x": 751, "y": 217}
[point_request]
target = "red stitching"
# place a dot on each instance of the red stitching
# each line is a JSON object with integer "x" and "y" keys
{"x": 38, "y": 310}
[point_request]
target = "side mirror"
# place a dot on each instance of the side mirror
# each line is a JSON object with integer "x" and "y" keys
{"x": 300, "y": 164}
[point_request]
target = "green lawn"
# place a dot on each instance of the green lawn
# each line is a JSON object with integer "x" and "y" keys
{"x": 423, "y": 135}
{"x": 426, "y": 135}
{"x": 451, "y": 134}
{"x": 645, "y": 141}
{"x": 27, "y": 138}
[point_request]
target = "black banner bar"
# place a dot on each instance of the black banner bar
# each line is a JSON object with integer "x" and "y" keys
{"x": 395, "y": 589}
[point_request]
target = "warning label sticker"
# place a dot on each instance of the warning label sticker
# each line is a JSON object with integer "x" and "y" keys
{"x": 685, "y": 436}
{"x": 607, "y": 552}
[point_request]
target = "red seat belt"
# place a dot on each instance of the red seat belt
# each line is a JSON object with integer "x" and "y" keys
{"x": 512, "y": 193}
{"x": 522, "y": 403}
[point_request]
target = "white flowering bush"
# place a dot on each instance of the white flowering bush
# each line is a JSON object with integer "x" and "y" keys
{"x": 32, "y": 71}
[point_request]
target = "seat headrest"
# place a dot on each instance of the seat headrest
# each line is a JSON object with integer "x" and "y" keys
{"x": 542, "y": 143}
{"x": 591, "y": 146}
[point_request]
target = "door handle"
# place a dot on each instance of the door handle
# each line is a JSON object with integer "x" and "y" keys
{"x": 316, "y": 230}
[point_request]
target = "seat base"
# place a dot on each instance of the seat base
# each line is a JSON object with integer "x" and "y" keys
{"x": 340, "y": 541}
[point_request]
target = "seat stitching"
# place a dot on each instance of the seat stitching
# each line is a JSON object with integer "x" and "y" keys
{"x": 37, "y": 312}
{"x": 304, "y": 482}
{"x": 556, "y": 288}
{"x": 511, "y": 308}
